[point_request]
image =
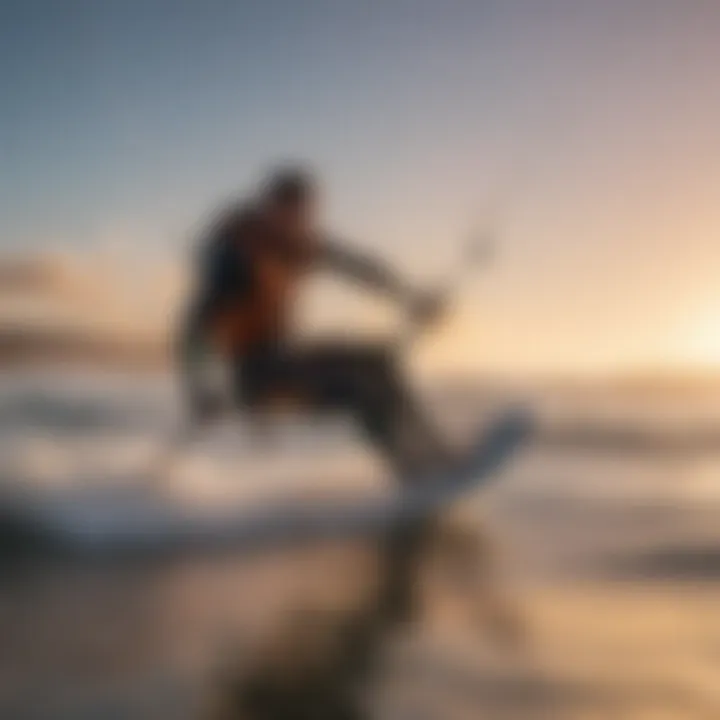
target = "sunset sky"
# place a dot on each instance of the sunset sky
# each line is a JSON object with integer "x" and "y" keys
{"x": 587, "y": 132}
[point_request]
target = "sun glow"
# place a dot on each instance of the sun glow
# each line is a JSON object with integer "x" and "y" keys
{"x": 702, "y": 344}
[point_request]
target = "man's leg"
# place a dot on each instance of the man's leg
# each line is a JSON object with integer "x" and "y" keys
{"x": 366, "y": 382}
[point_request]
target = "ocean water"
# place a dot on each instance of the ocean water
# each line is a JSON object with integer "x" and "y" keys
{"x": 613, "y": 549}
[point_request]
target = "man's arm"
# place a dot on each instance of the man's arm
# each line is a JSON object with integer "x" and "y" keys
{"x": 364, "y": 270}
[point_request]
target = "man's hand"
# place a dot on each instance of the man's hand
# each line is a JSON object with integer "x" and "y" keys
{"x": 427, "y": 308}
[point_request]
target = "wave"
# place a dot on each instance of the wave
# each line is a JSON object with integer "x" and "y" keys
{"x": 135, "y": 519}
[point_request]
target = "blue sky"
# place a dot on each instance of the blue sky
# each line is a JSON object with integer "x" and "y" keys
{"x": 590, "y": 127}
{"x": 150, "y": 111}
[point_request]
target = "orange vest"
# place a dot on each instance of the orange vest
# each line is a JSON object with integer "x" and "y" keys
{"x": 261, "y": 316}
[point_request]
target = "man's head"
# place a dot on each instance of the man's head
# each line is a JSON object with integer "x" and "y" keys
{"x": 289, "y": 199}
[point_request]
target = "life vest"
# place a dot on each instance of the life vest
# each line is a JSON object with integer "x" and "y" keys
{"x": 253, "y": 279}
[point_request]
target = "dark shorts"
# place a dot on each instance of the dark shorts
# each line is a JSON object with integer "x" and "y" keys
{"x": 323, "y": 376}
{"x": 363, "y": 381}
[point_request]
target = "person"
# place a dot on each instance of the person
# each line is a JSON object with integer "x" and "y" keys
{"x": 251, "y": 261}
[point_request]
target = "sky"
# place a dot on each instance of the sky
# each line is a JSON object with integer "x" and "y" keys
{"x": 585, "y": 134}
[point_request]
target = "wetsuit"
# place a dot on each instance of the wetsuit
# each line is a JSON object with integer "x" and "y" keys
{"x": 248, "y": 278}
